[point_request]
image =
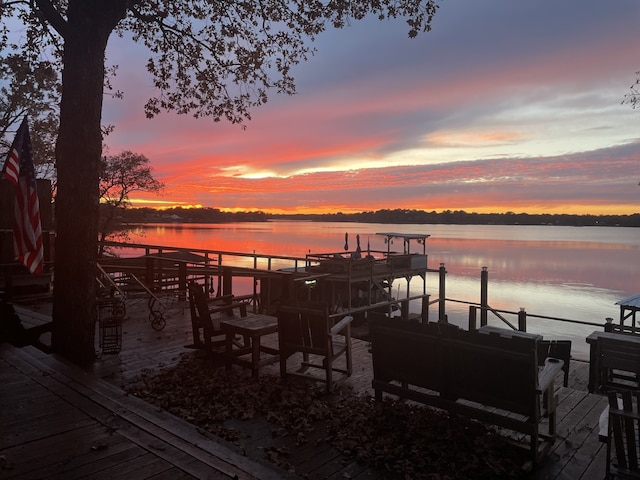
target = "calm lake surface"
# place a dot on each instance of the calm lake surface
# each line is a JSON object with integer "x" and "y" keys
{"x": 577, "y": 273}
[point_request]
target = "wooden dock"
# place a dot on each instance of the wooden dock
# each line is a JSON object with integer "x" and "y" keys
{"x": 87, "y": 427}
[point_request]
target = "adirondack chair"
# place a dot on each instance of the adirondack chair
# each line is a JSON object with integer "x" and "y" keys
{"x": 207, "y": 334}
{"x": 623, "y": 435}
{"x": 309, "y": 330}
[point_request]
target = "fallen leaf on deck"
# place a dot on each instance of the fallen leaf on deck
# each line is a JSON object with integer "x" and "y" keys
{"x": 414, "y": 442}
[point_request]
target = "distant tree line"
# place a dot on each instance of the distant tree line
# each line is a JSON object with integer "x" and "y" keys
{"x": 451, "y": 217}
{"x": 128, "y": 215}
{"x": 460, "y": 217}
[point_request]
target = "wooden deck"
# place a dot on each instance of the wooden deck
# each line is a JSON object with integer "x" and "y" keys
{"x": 93, "y": 400}
{"x": 58, "y": 421}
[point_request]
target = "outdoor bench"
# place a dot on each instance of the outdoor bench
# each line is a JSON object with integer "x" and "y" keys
{"x": 489, "y": 377}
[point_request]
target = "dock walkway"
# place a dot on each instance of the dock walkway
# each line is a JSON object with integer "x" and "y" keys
{"x": 52, "y": 407}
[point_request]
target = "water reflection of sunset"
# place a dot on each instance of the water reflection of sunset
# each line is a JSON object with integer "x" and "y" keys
{"x": 548, "y": 262}
{"x": 554, "y": 255}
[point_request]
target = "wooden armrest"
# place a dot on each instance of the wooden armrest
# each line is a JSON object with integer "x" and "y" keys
{"x": 228, "y": 307}
{"x": 624, "y": 413}
{"x": 552, "y": 366}
{"x": 346, "y": 321}
{"x": 224, "y": 299}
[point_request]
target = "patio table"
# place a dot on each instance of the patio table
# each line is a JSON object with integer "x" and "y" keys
{"x": 252, "y": 328}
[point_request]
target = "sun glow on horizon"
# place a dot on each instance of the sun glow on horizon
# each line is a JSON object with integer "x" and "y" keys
{"x": 597, "y": 210}
{"x": 161, "y": 204}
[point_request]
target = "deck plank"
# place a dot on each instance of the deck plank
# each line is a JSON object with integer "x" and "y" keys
{"x": 78, "y": 401}
{"x": 152, "y": 424}
{"x": 90, "y": 442}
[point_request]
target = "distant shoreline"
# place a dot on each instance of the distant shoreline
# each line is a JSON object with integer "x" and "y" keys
{"x": 398, "y": 216}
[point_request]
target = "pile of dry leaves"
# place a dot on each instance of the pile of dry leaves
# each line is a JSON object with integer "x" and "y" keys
{"x": 413, "y": 441}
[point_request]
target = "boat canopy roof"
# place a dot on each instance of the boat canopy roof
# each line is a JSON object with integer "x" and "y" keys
{"x": 632, "y": 301}
{"x": 406, "y": 236}
{"x": 420, "y": 238}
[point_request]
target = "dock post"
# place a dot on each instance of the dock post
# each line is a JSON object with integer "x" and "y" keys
{"x": 404, "y": 309}
{"x": 608, "y": 326}
{"x": 227, "y": 280}
{"x": 207, "y": 278}
{"x": 442, "y": 272}
{"x": 182, "y": 280}
{"x": 425, "y": 309}
{"x": 149, "y": 273}
{"x": 473, "y": 317}
{"x": 220, "y": 275}
{"x": 484, "y": 302}
{"x": 522, "y": 320}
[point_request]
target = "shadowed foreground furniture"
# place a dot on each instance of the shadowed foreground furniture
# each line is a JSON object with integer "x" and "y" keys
{"x": 623, "y": 437}
{"x": 207, "y": 331}
{"x": 614, "y": 361}
{"x": 309, "y": 330}
{"x": 465, "y": 372}
{"x": 560, "y": 349}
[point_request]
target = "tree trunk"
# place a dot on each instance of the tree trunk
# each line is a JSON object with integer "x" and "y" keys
{"x": 78, "y": 150}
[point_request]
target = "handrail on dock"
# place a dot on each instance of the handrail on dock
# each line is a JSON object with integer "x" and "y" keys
{"x": 521, "y": 314}
{"x": 209, "y": 254}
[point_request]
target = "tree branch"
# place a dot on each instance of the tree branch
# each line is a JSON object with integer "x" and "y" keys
{"x": 52, "y": 16}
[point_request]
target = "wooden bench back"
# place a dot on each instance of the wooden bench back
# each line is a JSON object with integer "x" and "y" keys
{"x": 495, "y": 371}
{"x": 485, "y": 368}
{"x": 619, "y": 355}
{"x": 408, "y": 352}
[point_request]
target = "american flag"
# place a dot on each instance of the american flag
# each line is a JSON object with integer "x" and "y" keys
{"x": 27, "y": 231}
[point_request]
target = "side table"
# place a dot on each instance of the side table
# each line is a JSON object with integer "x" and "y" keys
{"x": 252, "y": 328}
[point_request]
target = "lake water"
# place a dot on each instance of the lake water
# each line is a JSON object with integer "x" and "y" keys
{"x": 578, "y": 273}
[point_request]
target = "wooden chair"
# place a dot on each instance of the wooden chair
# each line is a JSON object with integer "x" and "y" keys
{"x": 207, "y": 334}
{"x": 623, "y": 435}
{"x": 309, "y": 330}
{"x": 614, "y": 362}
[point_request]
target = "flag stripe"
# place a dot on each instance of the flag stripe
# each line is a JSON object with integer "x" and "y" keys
{"x": 12, "y": 167}
{"x": 27, "y": 229}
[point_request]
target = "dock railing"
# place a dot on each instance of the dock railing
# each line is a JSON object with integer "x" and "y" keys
{"x": 167, "y": 267}
{"x": 479, "y": 313}
{"x": 521, "y": 317}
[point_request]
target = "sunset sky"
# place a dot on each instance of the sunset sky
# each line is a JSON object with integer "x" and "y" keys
{"x": 504, "y": 106}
